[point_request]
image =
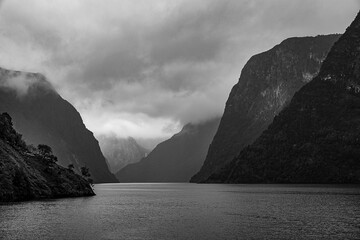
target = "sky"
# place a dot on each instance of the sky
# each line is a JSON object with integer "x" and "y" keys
{"x": 145, "y": 68}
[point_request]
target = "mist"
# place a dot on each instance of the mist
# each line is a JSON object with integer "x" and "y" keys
{"x": 146, "y": 69}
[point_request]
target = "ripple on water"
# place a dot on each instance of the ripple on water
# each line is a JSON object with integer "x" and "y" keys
{"x": 190, "y": 211}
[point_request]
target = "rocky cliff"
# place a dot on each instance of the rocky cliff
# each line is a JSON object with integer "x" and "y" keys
{"x": 120, "y": 152}
{"x": 315, "y": 139}
{"x": 176, "y": 159}
{"x": 267, "y": 83}
{"x": 43, "y": 116}
{"x": 25, "y": 175}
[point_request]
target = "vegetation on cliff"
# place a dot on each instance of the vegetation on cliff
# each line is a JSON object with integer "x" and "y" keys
{"x": 29, "y": 173}
{"x": 42, "y": 116}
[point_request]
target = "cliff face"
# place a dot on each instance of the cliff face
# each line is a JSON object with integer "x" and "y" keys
{"x": 316, "y": 138}
{"x": 120, "y": 152}
{"x": 43, "y": 117}
{"x": 25, "y": 175}
{"x": 174, "y": 160}
{"x": 267, "y": 83}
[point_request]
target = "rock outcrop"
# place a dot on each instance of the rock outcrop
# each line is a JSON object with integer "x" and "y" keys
{"x": 267, "y": 83}
{"x": 25, "y": 175}
{"x": 316, "y": 138}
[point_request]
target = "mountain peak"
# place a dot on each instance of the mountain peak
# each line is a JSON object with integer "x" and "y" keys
{"x": 176, "y": 159}
{"x": 120, "y": 152}
{"x": 343, "y": 65}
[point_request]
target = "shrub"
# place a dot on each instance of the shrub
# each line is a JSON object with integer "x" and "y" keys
{"x": 45, "y": 152}
{"x": 71, "y": 167}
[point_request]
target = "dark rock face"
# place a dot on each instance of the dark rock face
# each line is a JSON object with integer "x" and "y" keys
{"x": 43, "y": 117}
{"x": 120, "y": 152}
{"x": 267, "y": 83}
{"x": 25, "y": 175}
{"x": 174, "y": 160}
{"x": 316, "y": 138}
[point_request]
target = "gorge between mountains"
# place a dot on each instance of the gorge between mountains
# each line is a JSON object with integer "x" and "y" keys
{"x": 266, "y": 85}
{"x": 282, "y": 161}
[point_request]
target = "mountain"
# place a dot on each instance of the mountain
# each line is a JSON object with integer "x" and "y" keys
{"x": 120, "y": 152}
{"x": 25, "y": 175}
{"x": 176, "y": 159}
{"x": 43, "y": 116}
{"x": 267, "y": 83}
{"x": 315, "y": 139}
{"x": 150, "y": 143}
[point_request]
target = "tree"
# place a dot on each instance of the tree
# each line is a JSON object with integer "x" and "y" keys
{"x": 31, "y": 148}
{"x": 71, "y": 167}
{"x": 44, "y": 150}
{"x": 85, "y": 172}
{"x": 53, "y": 158}
{"x": 7, "y": 118}
{"x": 8, "y": 133}
{"x": 91, "y": 181}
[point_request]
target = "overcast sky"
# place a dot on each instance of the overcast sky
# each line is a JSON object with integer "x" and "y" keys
{"x": 145, "y": 68}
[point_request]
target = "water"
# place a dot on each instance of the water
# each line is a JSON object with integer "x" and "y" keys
{"x": 190, "y": 211}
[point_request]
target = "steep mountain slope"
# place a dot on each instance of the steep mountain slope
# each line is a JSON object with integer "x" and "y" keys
{"x": 120, "y": 152}
{"x": 25, "y": 175}
{"x": 176, "y": 159}
{"x": 316, "y": 138}
{"x": 42, "y": 116}
{"x": 267, "y": 83}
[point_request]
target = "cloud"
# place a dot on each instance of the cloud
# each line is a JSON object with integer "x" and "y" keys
{"x": 145, "y": 68}
{"x": 21, "y": 82}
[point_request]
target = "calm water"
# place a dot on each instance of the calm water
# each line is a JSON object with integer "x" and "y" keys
{"x": 190, "y": 211}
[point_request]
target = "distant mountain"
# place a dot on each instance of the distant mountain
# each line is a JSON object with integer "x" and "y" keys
{"x": 174, "y": 160}
{"x": 267, "y": 83}
{"x": 316, "y": 138}
{"x": 120, "y": 152}
{"x": 150, "y": 143}
{"x": 43, "y": 116}
{"x": 25, "y": 175}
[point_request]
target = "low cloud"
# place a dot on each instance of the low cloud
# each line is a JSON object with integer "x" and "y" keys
{"x": 145, "y": 68}
{"x": 19, "y": 82}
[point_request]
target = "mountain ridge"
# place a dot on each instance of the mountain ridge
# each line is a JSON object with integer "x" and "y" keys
{"x": 43, "y": 116}
{"x": 120, "y": 152}
{"x": 266, "y": 84}
{"x": 315, "y": 139}
{"x": 175, "y": 159}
